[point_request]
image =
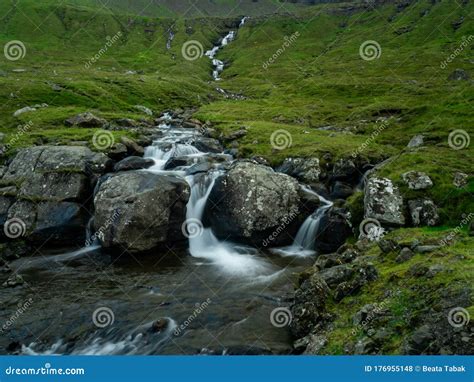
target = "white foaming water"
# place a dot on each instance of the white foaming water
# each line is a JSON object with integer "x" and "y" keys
{"x": 232, "y": 258}
{"x": 304, "y": 243}
{"x": 218, "y": 64}
{"x": 133, "y": 342}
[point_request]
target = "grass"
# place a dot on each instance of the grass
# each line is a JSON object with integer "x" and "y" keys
{"x": 407, "y": 299}
{"x": 317, "y": 80}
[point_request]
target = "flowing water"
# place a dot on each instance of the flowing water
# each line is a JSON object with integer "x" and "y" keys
{"x": 216, "y": 297}
{"x": 218, "y": 65}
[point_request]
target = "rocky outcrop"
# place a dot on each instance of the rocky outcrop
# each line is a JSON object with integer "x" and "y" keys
{"x": 383, "y": 201}
{"x": 333, "y": 277}
{"x": 137, "y": 211}
{"x": 50, "y": 190}
{"x": 251, "y": 201}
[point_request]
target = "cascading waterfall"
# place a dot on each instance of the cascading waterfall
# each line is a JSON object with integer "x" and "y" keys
{"x": 305, "y": 240}
{"x": 218, "y": 64}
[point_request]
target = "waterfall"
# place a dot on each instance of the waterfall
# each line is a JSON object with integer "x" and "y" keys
{"x": 305, "y": 240}
{"x": 233, "y": 259}
{"x": 218, "y": 65}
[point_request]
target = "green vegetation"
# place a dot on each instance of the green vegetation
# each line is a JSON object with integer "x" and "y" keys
{"x": 407, "y": 299}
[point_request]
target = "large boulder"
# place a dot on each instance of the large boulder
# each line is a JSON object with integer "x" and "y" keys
{"x": 51, "y": 193}
{"x": 252, "y": 201}
{"x": 383, "y": 201}
{"x": 137, "y": 210}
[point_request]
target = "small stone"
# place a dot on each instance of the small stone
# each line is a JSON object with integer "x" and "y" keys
{"x": 159, "y": 325}
{"x": 405, "y": 255}
{"x": 417, "y": 180}
{"x": 423, "y": 212}
{"x": 426, "y": 248}
{"x": 459, "y": 75}
{"x": 13, "y": 281}
{"x": 26, "y": 109}
{"x": 144, "y": 109}
{"x": 416, "y": 141}
{"x": 387, "y": 245}
{"x": 460, "y": 179}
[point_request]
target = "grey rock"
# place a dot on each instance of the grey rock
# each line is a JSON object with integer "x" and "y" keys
{"x": 420, "y": 340}
{"x": 118, "y": 151}
{"x": 387, "y": 246}
{"x": 336, "y": 275}
{"x": 308, "y": 309}
{"x": 85, "y": 120}
{"x": 144, "y": 109}
{"x": 305, "y": 169}
{"x": 13, "y": 281}
{"x": 459, "y": 75}
{"x": 251, "y": 201}
{"x": 404, "y": 255}
{"x": 383, "y": 201}
{"x": 460, "y": 179}
{"x": 334, "y": 229}
{"x": 426, "y": 248}
{"x": 207, "y": 145}
{"x": 416, "y": 141}
{"x": 423, "y": 212}
{"x": 133, "y": 163}
{"x": 138, "y": 211}
{"x": 26, "y": 109}
{"x": 58, "y": 186}
{"x": 133, "y": 147}
{"x": 417, "y": 180}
